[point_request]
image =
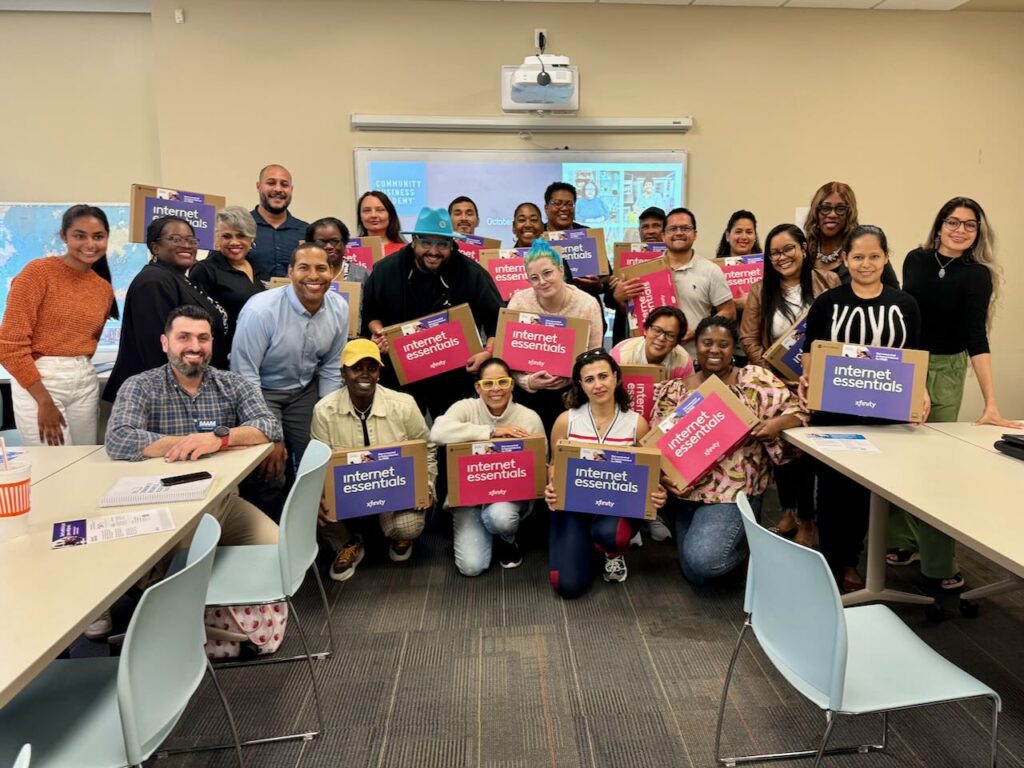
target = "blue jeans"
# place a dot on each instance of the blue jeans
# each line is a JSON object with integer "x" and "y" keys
{"x": 474, "y": 529}
{"x": 573, "y": 538}
{"x": 710, "y": 538}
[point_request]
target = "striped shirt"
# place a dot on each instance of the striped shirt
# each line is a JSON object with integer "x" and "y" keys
{"x": 583, "y": 428}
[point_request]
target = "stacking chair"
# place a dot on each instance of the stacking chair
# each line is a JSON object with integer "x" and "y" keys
{"x": 847, "y": 661}
{"x": 117, "y": 711}
{"x": 268, "y": 573}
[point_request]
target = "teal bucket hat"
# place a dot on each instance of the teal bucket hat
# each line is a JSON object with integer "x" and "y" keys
{"x": 434, "y": 221}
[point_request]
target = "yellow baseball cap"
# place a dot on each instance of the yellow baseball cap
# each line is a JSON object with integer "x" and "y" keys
{"x": 359, "y": 349}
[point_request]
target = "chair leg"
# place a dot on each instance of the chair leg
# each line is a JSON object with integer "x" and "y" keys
{"x": 725, "y": 688}
{"x": 885, "y": 731}
{"x": 995, "y": 729}
{"x": 309, "y": 659}
{"x": 327, "y": 607}
{"x": 831, "y": 718}
{"x": 227, "y": 712}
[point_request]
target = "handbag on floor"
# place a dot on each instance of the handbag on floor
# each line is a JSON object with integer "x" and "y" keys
{"x": 244, "y": 630}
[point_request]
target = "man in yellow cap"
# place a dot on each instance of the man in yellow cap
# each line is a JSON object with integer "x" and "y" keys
{"x": 363, "y": 414}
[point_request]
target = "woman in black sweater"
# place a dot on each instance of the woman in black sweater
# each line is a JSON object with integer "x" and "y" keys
{"x": 868, "y": 312}
{"x": 954, "y": 277}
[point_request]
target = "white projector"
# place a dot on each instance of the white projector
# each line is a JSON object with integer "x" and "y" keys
{"x": 544, "y": 83}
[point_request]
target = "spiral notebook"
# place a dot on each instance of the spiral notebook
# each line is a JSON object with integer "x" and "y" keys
{"x": 149, "y": 490}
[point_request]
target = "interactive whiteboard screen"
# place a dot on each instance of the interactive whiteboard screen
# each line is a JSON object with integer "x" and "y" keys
{"x": 612, "y": 187}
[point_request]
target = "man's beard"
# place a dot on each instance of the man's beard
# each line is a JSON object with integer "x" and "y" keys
{"x": 189, "y": 370}
{"x": 274, "y": 206}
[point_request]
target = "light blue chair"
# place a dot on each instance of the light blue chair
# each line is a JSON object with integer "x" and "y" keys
{"x": 24, "y": 757}
{"x": 117, "y": 711}
{"x": 847, "y": 661}
{"x": 258, "y": 574}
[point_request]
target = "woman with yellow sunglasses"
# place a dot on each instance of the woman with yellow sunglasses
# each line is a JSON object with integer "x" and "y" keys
{"x": 491, "y": 414}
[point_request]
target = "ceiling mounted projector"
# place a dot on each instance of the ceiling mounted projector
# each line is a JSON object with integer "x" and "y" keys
{"x": 542, "y": 83}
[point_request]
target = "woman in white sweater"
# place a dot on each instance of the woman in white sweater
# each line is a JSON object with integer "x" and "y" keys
{"x": 492, "y": 414}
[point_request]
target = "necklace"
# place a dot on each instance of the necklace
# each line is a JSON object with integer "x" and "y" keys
{"x": 828, "y": 258}
{"x": 593, "y": 422}
{"x": 942, "y": 267}
{"x": 563, "y": 302}
{"x": 363, "y": 414}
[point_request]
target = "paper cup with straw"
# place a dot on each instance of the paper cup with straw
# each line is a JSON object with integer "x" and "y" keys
{"x": 15, "y": 494}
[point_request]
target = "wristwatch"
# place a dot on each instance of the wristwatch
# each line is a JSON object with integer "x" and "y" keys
{"x": 224, "y": 434}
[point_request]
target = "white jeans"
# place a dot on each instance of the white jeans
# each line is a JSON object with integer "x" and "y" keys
{"x": 72, "y": 383}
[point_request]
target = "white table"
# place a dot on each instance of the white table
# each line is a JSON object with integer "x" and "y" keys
{"x": 47, "y": 597}
{"x": 982, "y": 437}
{"x": 944, "y": 480}
{"x": 49, "y": 460}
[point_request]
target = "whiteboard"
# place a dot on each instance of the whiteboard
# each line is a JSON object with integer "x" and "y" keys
{"x": 498, "y": 180}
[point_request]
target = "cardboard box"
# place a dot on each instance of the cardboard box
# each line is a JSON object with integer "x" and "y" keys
{"x": 639, "y": 381}
{"x": 606, "y": 480}
{"x": 507, "y": 269}
{"x": 532, "y": 343}
{"x": 702, "y": 430}
{"x": 858, "y": 380}
{"x": 741, "y": 272}
{"x": 487, "y": 471}
{"x": 352, "y": 293}
{"x": 378, "y": 478}
{"x": 471, "y": 246}
{"x": 150, "y": 203}
{"x": 659, "y": 291}
{"x": 390, "y": 248}
{"x": 365, "y": 251}
{"x": 433, "y": 344}
{"x": 584, "y": 249}
{"x": 628, "y": 254}
{"x": 784, "y": 354}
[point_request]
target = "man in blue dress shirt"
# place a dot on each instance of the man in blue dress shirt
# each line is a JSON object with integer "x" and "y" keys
{"x": 288, "y": 342}
{"x": 277, "y": 231}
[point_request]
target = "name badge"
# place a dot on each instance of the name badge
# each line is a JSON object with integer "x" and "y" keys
{"x": 205, "y": 425}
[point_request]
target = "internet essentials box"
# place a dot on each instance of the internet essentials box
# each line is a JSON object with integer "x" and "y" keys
{"x": 702, "y": 430}
{"x": 377, "y": 478}
{"x": 433, "y": 344}
{"x": 639, "y": 381}
{"x": 530, "y": 343}
{"x": 858, "y": 380}
{"x": 605, "y": 480}
{"x": 501, "y": 469}
{"x": 785, "y": 354}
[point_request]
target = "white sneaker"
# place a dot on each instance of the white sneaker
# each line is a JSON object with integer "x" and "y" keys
{"x": 657, "y": 529}
{"x": 637, "y": 541}
{"x": 101, "y": 627}
{"x": 614, "y": 568}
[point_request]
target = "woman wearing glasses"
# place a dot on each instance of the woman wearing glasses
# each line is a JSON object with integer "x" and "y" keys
{"x": 160, "y": 286}
{"x": 661, "y": 344}
{"x": 831, "y": 217}
{"x": 549, "y": 294}
{"x": 226, "y": 274}
{"x": 598, "y": 413}
{"x": 955, "y": 278}
{"x": 491, "y": 414}
{"x": 332, "y": 235}
{"x": 791, "y": 284}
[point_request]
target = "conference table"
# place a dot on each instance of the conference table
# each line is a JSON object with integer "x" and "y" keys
{"x": 49, "y": 596}
{"x": 947, "y": 475}
{"x": 46, "y": 460}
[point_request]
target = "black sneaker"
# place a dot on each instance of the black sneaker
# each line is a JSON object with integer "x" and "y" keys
{"x": 509, "y": 554}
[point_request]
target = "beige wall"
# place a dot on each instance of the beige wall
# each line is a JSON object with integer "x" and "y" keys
{"x": 910, "y": 108}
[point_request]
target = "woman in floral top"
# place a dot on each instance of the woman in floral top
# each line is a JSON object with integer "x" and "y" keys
{"x": 709, "y": 528}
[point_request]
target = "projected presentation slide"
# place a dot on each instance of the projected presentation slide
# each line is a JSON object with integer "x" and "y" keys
{"x": 612, "y": 187}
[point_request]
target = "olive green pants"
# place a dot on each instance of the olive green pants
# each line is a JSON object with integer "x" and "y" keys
{"x": 946, "y": 376}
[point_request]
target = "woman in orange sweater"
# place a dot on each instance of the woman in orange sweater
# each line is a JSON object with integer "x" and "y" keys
{"x": 55, "y": 313}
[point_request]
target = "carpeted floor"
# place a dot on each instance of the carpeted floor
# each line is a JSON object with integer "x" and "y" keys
{"x": 435, "y": 670}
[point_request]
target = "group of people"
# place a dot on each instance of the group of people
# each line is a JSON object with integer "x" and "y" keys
{"x": 211, "y": 357}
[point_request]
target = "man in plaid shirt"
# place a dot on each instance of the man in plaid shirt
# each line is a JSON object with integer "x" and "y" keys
{"x": 186, "y": 409}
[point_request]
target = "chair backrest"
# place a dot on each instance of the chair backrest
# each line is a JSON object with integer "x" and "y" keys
{"x": 297, "y": 543}
{"x": 795, "y": 609}
{"x": 24, "y": 757}
{"x": 163, "y": 661}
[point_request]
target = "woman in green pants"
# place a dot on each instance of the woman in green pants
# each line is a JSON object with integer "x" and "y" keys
{"x": 955, "y": 279}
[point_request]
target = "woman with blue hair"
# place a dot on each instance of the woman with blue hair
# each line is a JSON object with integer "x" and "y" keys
{"x": 550, "y": 294}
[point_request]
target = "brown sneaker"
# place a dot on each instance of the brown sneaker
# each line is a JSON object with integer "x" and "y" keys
{"x": 400, "y": 550}
{"x": 348, "y": 558}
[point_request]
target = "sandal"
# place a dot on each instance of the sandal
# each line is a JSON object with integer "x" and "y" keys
{"x": 901, "y": 557}
{"x": 956, "y": 581}
{"x": 787, "y": 533}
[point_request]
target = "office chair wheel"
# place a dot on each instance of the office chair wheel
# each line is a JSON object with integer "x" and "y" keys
{"x": 969, "y": 609}
{"x": 935, "y": 612}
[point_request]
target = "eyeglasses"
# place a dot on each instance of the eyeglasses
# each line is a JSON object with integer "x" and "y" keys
{"x": 953, "y": 224}
{"x": 488, "y": 384}
{"x": 179, "y": 240}
{"x": 838, "y": 210}
{"x": 334, "y": 242}
{"x": 786, "y": 250}
{"x": 562, "y": 204}
{"x": 435, "y": 245}
{"x": 680, "y": 228}
{"x": 661, "y": 333}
